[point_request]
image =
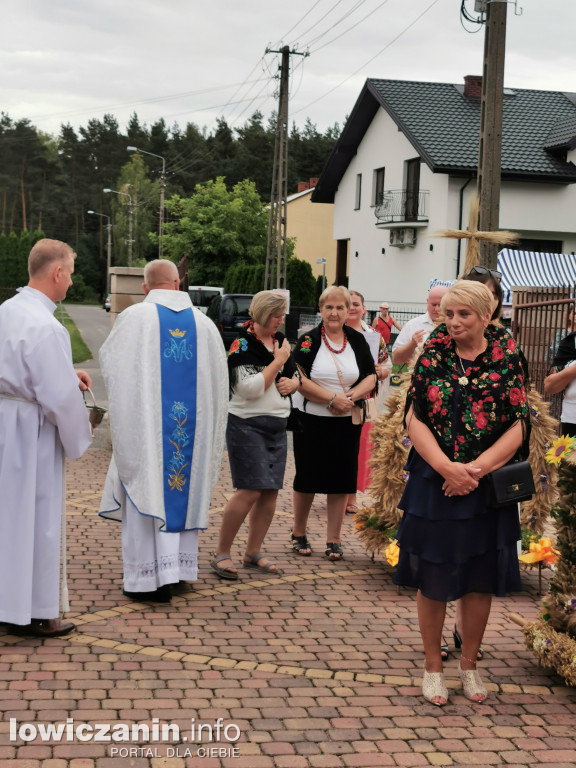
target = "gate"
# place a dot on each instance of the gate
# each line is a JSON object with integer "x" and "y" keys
{"x": 539, "y": 322}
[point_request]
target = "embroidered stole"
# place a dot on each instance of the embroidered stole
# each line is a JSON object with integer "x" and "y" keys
{"x": 179, "y": 374}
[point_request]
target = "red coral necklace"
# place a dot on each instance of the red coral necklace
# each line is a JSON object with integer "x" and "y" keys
{"x": 325, "y": 340}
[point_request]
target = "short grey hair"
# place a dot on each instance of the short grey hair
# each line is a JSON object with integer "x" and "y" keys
{"x": 334, "y": 289}
{"x": 160, "y": 271}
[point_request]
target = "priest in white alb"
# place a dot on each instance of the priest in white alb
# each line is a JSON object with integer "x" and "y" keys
{"x": 43, "y": 420}
{"x": 165, "y": 370}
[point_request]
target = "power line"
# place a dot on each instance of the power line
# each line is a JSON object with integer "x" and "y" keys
{"x": 351, "y": 28}
{"x": 308, "y": 12}
{"x": 398, "y": 36}
{"x": 336, "y": 23}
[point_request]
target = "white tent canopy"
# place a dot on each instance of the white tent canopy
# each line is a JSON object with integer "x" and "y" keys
{"x": 530, "y": 268}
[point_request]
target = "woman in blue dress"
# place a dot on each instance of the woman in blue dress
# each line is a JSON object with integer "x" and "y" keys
{"x": 466, "y": 415}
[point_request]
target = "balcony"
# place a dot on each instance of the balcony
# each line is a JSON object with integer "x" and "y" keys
{"x": 399, "y": 207}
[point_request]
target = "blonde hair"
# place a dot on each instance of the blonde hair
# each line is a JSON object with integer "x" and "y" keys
{"x": 341, "y": 289}
{"x": 475, "y": 296}
{"x": 357, "y": 293}
{"x": 47, "y": 252}
{"x": 267, "y": 304}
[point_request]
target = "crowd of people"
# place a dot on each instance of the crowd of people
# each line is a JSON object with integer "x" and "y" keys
{"x": 175, "y": 397}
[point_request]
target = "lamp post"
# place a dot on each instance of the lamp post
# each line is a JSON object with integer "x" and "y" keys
{"x": 162, "y": 187}
{"x": 108, "y": 246}
{"x": 323, "y": 262}
{"x": 130, "y": 209}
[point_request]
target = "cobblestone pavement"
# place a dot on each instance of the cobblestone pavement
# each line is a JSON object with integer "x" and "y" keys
{"x": 320, "y": 667}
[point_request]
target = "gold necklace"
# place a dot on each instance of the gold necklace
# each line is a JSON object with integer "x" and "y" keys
{"x": 463, "y": 380}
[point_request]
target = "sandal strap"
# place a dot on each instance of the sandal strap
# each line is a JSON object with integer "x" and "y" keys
{"x": 219, "y": 558}
{"x": 255, "y": 558}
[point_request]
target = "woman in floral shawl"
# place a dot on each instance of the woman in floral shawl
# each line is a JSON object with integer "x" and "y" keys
{"x": 466, "y": 415}
{"x": 262, "y": 378}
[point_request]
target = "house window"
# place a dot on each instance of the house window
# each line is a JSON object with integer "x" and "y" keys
{"x": 378, "y": 186}
{"x": 358, "y": 192}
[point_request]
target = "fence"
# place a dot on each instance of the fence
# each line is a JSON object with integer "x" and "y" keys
{"x": 539, "y": 322}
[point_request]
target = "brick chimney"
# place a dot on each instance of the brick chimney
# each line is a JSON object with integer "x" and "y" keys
{"x": 313, "y": 182}
{"x": 473, "y": 86}
{"x": 303, "y": 186}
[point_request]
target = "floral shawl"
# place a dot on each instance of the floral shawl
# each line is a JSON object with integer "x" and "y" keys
{"x": 467, "y": 418}
{"x": 249, "y": 352}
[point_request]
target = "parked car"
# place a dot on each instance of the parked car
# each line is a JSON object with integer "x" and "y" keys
{"x": 202, "y": 295}
{"x": 107, "y": 301}
{"x": 230, "y": 312}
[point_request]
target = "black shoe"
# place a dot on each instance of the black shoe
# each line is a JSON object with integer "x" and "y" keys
{"x": 334, "y": 551}
{"x": 458, "y": 644}
{"x": 161, "y": 595}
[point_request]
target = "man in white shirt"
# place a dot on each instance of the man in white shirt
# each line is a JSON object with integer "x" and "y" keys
{"x": 563, "y": 379}
{"x": 43, "y": 419}
{"x": 165, "y": 369}
{"x": 416, "y": 331}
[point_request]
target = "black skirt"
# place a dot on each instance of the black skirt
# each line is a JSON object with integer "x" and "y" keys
{"x": 257, "y": 449}
{"x": 451, "y": 546}
{"x": 326, "y": 454}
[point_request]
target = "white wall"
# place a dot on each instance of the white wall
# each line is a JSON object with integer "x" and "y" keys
{"x": 402, "y": 275}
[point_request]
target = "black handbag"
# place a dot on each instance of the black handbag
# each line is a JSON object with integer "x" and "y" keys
{"x": 511, "y": 483}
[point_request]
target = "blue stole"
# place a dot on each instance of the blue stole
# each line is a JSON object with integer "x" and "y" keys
{"x": 179, "y": 379}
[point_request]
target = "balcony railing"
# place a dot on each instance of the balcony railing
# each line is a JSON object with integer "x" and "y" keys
{"x": 402, "y": 206}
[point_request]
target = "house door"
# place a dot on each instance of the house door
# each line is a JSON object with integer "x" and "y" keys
{"x": 412, "y": 189}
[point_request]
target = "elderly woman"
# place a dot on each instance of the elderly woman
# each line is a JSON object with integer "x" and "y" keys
{"x": 337, "y": 372}
{"x": 466, "y": 415}
{"x": 262, "y": 376}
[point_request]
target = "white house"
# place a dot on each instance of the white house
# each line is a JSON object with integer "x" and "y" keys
{"x": 405, "y": 167}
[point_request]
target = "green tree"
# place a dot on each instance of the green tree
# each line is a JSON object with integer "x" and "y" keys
{"x": 300, "y": 282}
{"x": 217, "y": 228}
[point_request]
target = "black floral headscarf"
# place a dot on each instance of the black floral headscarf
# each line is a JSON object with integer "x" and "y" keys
{"x": 468, "y": 410}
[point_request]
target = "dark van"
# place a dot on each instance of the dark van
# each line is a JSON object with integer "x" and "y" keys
{"x": 230, "y": 312}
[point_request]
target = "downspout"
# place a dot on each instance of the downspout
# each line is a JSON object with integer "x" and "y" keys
{"x": 460, "y": 225}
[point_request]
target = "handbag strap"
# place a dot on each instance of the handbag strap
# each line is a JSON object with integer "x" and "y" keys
{"x": 340, "y": 376}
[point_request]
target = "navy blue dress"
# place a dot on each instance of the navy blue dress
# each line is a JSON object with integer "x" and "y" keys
{"x": 450, "y": 546}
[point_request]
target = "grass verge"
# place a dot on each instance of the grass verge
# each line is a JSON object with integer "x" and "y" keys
{"x": 80, "y": 351}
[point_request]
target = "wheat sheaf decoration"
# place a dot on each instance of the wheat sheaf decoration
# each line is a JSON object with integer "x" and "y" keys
{"x": 475, "y": 236}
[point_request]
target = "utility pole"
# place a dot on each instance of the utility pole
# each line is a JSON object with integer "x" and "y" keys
{"x": 490, "y": 147}
{"x": 276, "y": 246}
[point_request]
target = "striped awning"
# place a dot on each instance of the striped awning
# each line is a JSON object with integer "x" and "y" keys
{"x": 530, "y": 268}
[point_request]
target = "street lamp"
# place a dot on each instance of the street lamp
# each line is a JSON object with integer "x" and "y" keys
{"x": 323, "y": 262}
{"x": 130, "y": 208}
{"x": 162, "y": 187}
{"x": 108, "y": 246}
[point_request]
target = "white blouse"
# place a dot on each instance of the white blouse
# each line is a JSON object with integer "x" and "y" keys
{"x": 325, "y": 374}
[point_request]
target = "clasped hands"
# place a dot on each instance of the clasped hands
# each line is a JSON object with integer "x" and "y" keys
{"x": 461, "y": 479}
{"x": 342, "y": 403}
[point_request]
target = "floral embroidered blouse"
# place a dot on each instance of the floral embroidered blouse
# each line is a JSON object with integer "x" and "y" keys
{"x": 468, "y": 405}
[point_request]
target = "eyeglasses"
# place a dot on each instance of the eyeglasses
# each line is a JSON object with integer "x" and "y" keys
{"x": 384, "y": 307}
{"x": 485, "y": 271}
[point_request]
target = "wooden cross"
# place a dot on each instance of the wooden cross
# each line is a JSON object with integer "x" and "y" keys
{"x": 476, "y": 236}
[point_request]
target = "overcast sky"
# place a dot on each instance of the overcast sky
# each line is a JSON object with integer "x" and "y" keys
{"x": 194, "y": 60}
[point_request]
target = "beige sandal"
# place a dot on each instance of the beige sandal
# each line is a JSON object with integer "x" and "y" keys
{"x": 434, "y": 687}
{"x": 472, "y": 685}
